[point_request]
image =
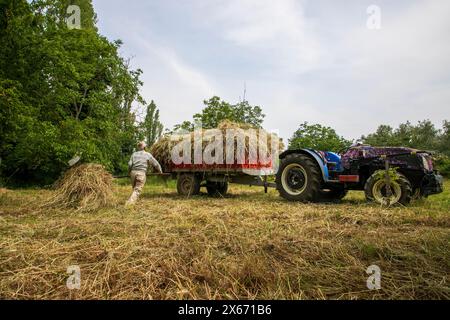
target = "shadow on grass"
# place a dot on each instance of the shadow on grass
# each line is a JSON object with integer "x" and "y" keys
{"x": 149, "y": 194}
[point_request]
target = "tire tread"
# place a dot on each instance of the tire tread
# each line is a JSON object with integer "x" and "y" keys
{"x": 311, "y": 194}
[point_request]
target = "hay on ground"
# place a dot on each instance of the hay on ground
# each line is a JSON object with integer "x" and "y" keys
{"x": 86, "y": 187}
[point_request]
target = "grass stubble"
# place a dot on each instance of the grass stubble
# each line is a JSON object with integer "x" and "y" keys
{"x": 248, "y": 245}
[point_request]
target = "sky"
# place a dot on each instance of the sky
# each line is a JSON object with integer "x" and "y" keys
{"x": 344, "y": 64}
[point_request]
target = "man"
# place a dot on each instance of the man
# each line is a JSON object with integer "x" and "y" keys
{"x": 137, "y": 168}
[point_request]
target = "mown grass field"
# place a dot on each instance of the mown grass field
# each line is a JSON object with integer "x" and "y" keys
{"x": 248, "y": 245}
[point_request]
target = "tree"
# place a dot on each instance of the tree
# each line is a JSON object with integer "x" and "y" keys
{"x": 152, "y": 128}
{"x": 424, "y": 135}
{"x": 442, "y": 160}
{"x": 384, "y": 136}
{"x": 62, "y": 92}
{"x": 187, "y": 126}
{"x": 217, "y": 110}
{"x": 444, "y": 139}
{"x": 317, "y": 137}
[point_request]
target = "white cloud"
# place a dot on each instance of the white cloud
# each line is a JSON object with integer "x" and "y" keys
{"x": 177, "y": 87}
{"x": 411, "y": 46}
{"x": 186, "y": 75}
{"x": 401, "y": 71}
{"x": 275, "y": 31}
{"x": 310, "y": 61}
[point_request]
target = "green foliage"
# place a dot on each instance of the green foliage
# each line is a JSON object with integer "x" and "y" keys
{"x": 217, "y": 110}
{"x": 444, "y": 139}
{"x": 317, "y": 137}
{"x": 424, "y": 136}
{"x": 151, "y": 127}
{"x": 444, "y": 168}
{"x": 184, "y": 126}
{"x": 62, "y": 92}
{"x": 392, "y": 172}
{"x": 442, "y": 162}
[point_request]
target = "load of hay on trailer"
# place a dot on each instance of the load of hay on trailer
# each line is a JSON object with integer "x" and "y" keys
{"x": 249, "y": 161}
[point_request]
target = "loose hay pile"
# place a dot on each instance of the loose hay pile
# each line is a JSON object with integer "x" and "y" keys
{"x": 162, "y": 149}
{"x": 85, "y": 187}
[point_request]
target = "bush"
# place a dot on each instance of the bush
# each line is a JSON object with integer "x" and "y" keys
{"x": 318, "y": 137}
{"x": 442, "y": 163}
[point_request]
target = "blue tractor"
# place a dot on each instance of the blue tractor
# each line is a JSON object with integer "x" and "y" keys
{"x": 387, "y": 175}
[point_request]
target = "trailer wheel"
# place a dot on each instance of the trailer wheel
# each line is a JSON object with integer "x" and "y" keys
{"x": 298, "y": 178}
{"x": 188, "y": 184}
{"x": 375, "y": 190}
{"x": 217, "y": 189}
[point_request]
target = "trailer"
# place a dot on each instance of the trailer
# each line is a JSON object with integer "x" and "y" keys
{"x": 216, "y": 177}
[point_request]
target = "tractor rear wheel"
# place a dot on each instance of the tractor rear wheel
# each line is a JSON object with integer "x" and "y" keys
{"x": 376, "y": 191}
{"x": 216, "y": 189}
{"x": 188, "y": 184}
{"x": 298, "y": 178}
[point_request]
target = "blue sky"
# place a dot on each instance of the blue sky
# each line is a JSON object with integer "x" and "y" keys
{"x": 314, "y": 61}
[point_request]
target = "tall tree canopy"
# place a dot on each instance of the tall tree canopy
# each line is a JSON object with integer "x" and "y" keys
{"x": 151, "y": 127}
{"x": 62, "y": 92}
{"x": 424, "y": 135}
{"x": 444, "y": 141}
{"x": 217, "y": 110}
{"x": 318, "y": 137}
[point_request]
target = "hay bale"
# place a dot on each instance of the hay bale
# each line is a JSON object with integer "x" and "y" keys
{"x": 161, "y": 150}
{"x": 85, "y": 187}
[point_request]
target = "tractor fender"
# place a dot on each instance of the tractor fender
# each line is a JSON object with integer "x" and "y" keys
{"x": 312, "y": 154}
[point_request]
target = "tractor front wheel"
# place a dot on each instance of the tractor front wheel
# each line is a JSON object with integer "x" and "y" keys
{"x": 375, "y": 190}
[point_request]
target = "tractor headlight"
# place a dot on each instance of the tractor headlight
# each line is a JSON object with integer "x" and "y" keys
{"x": 426, "y": 164}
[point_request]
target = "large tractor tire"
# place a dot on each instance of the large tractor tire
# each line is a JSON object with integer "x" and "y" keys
{"x": 333, "y": 194}
{"x": 188, "y": 184}
{"x": 217, "y": 189}
{"x": 299, "y": 178}
{"x": 375, "y": 190}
